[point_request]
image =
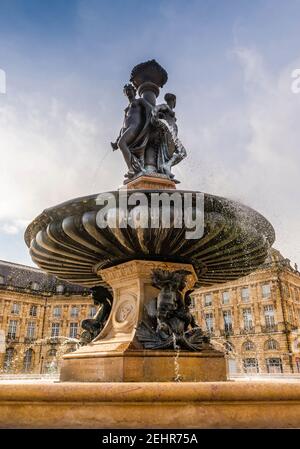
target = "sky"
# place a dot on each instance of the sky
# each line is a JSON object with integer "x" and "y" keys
{"x": 230, "y": 63}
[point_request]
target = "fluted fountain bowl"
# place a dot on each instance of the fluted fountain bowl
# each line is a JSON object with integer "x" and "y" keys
{"x": 66, "y": 240}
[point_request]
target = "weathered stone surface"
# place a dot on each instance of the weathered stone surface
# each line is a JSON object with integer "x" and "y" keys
{"x": 212, "y": 405}
{"x": 116, "y": 354}
{"x": 145, "y": 366}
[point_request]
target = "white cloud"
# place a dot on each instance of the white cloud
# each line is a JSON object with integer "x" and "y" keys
{"x": 48, "y": 155}
{"x": 251, "y": 150}
{"x": 14, "y": 227}
{"x": 245, "y": 147}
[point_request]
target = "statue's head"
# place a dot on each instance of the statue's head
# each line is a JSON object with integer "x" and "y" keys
{"x": 130, "y": 91}
{"x": 170, "y": 99}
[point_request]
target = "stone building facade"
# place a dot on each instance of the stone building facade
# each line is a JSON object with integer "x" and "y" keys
{"x": 39, "y": 318}
{"x": 256, "y": 318}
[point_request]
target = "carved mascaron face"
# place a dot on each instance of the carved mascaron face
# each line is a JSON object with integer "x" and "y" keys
{"x": 166, "y": 301}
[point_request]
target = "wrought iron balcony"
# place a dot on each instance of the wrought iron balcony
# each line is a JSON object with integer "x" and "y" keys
{"x": 269, "y": 328}
{"x": 247, "y": 330}
{"x": 226, "y": 332}
{"x": 12, "y": 339}
{"x": 29, "y": 339}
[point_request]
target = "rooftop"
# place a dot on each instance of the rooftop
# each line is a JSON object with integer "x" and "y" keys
{"x": 25, "y": 277}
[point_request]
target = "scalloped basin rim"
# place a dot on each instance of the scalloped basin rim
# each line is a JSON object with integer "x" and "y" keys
{"x": 73, "y": 246}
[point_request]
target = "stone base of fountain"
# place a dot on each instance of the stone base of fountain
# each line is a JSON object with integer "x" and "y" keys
{"x": 203, "y": 405}
{"x": 117, "y": 355}
{"x": 145, "y": 366}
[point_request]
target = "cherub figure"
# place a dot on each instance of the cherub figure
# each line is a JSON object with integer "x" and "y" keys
{"x": 93, "y": 326}
{"x": 133, "y": 135}
{"x": 165, "y": 113}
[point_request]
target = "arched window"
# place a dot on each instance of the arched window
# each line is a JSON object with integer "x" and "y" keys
{"x": 27, "y": 362}
{"x": 271, "y": 345}
{"x": 248, "y": 346}
{"x": 8, "y": 359}
{"x": 52, "y": 353}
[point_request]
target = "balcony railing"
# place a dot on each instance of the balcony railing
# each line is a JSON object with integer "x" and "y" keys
{"x": 12, "y": 339}
{"x": 226, "y": 332}
{"x": 269, "y": 328}
{"x": 54, "y": 340}
{"x": 29, "y": 339}
{"x": 247, "y": 330}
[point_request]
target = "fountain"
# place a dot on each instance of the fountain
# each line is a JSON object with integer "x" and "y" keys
{"x": 145, "y": 237}
{"x": 142, "y": 249}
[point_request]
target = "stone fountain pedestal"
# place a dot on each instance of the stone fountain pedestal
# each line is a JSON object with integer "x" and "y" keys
{"x": 116, "y": 355}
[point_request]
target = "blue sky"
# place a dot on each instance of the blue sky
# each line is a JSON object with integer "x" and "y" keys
{"x": 229, "y": 62}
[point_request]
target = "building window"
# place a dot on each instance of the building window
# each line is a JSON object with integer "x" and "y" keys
{"x": 15, "y": 308}
{"x": 245, "y": 294}
{"x": 31, "y": 329}
{"x": 266, "y": 290}
{"x": 192, "y": 302}
{"x": 27, "y": 362}
{"x": 274, "y": 365}
{"x": 249, "y": 346}
{"x": 227, "y": 320}
{"x": 8, "y": 359}
{"x": 247, "y": 317}
{"x": 225, "y": 297}
{"x": 34, "y": 286}
{"x": 74, "y": 311}
{"x": 51, "y": 353}
{"x": 1, "y": 279}
{"x": 297, "y": 360}
{"x": 250, "y": 365}
{"x": 60, "y": 289}
{"x": 57, "y": 311}
{"x": 290, "y": 314}
{"x": 286, "y": 290}
{"x": 207, "y": 299}
{"x": 12, "y": 329}
{"x": 269, "y": 316}
{"x": 92, "y": 311}
{"x": 209, "y": 320}
{"x": 73, "y": 330}
{"x": 271, "y": 345}
{"x": 33, "y": 310}
{"x": 55, "y": 330}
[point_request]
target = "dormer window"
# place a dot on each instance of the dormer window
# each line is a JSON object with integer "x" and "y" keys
{"x": 34, "y": 286}
{"x": 60, "y": 289}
